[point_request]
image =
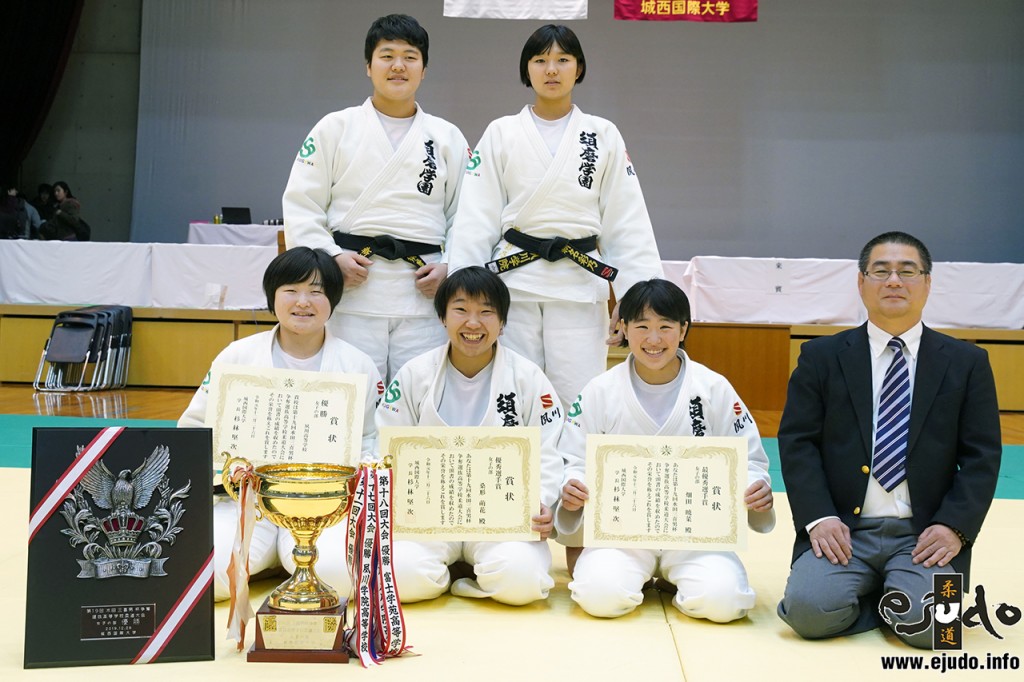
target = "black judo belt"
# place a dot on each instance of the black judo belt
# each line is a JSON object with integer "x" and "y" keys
{"x": 552, "y": 250}
{"x": 386, "y": 246}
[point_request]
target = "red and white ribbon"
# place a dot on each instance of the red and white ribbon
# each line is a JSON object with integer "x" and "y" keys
{"x": 379, "y": 628}
{"x": 71, "y": 477}
{"x": 241, "y": 612}
{"x": 175, "y": 618}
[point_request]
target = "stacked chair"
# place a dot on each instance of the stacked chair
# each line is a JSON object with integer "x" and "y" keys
{"x": 88, "y": 350}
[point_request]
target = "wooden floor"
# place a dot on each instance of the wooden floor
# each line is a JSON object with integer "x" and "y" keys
{"x": 169, "y": 403}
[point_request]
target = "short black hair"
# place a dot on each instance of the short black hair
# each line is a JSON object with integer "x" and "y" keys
{"x": 661, "y": 296}
{"x": 297, "y": 265}
{"x": 475, "y": 282}
{"x": 542, "y": 40}
{"x": 397, "y": 27}
{"x": 896, "y": 237}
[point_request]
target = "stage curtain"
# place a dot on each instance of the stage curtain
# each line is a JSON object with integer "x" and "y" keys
{"x": 36, "y": 38}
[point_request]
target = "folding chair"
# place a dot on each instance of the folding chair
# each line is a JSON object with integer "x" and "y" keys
{"x": 97, "y": 337}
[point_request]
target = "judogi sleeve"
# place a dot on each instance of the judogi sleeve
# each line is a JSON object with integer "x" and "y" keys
{"x": 573, "y": 446}
{"x": 456, "y": 155}
{"x": 627, "y": 236}
{"x": 477, "y": 227}
{"x": 398, "y": 407}
{"x": 369, "y": 442}
{"x": 730, "y": 417}
{"x": 550, "y": 422}
{"x": 308, "y": 192}
{"x": 195, "y": 414}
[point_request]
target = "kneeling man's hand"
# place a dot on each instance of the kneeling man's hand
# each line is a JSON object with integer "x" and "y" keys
{"x": 831, "y": 538}
{"x": 937, "y": 545}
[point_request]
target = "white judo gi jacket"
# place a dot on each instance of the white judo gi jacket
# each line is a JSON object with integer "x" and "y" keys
{"x": 707, "y": 405}
{"x": 338, "y": 356}
{"x": 588, "y": 188}
{"x": 520, "y": 395}
{"x": 348, "y": 178}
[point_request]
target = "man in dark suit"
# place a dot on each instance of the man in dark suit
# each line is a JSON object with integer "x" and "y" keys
{"x": 890, "y": 451}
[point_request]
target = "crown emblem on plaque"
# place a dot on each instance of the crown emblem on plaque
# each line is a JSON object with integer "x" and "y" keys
{"x": 123, "y": 528}
{"x": 133, "y": 542}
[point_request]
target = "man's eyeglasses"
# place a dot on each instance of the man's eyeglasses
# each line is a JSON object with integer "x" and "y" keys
{"x": 905, "y": 274}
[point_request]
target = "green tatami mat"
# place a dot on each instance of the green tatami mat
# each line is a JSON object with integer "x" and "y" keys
{"x": 16, "y": 432}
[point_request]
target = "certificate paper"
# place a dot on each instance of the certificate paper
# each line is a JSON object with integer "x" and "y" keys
{"x": 464, "y": 483}
{"x": 273, "y": 416}
{"x": 650, "y": 492}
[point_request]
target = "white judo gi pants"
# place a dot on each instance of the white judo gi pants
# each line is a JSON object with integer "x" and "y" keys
{"x": 514, "y": 573}
{"x": 565, "y": 339}
{"x": 608, "y": 583}
{"x": 389, "y": 341}
{"x": 271, "y": 547}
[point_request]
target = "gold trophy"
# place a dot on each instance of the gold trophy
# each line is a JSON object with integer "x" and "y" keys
{"x": 303, "y": 619}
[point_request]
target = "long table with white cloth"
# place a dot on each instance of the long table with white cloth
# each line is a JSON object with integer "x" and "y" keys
{"x": 224, "y": 233}
{"x": 138, "y": 275}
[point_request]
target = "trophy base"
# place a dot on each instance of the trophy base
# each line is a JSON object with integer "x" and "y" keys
{"x": 299, "y": 636}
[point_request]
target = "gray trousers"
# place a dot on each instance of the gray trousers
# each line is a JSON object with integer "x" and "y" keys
{"x": 825, "y": 600}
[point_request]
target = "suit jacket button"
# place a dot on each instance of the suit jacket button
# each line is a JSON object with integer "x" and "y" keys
{"x": 865, "y": 469}
{"x": 856, "y": 510}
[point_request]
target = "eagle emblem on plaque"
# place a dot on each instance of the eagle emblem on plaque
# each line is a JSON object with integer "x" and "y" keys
{"x": 118, "y": 538}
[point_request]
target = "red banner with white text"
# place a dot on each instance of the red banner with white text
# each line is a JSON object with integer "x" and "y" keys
{"x": 686, "y": 10}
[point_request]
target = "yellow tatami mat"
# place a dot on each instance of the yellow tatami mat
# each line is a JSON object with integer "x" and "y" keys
{"x": 456, "y": 638}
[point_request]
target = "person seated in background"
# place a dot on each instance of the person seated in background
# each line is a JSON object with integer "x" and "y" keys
{"x": 302, "y": 286}
{"x": 25, "y": 217}
{"x": 10, "y": 222}
{"x": 653, "y": 393}
{"x": 473, "y": 380}
{"x": 66, "y": 223}
{"x": 44, "y": 202}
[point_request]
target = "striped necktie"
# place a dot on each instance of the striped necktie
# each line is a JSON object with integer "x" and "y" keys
{"x": 889, "y": 462}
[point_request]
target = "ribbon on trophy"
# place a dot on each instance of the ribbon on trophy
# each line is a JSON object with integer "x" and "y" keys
{"x": 71, "y": 477}
{"x": 238, "y": 566}
{"x": 379, "y": 628}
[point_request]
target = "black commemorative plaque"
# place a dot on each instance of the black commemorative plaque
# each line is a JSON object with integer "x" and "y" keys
{"x": 119, "y": 563}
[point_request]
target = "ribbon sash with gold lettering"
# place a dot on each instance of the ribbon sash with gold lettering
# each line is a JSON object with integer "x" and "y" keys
{"x": 686, "y": 10}
{"x": 378, "y": 630}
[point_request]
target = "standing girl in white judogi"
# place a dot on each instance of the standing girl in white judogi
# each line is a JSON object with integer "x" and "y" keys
{"x": 552, "y": 203}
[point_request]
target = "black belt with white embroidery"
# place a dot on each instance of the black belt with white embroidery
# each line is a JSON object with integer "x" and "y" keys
{"x": 552, "y": 250}
{"x": 386, "y": 246}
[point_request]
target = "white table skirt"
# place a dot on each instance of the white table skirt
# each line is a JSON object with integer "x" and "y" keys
{"x": 739, "y": 290}
{"x": 824, "y": 291}
{"x": 137, "y": 275}
{"x": 243, "y": 235}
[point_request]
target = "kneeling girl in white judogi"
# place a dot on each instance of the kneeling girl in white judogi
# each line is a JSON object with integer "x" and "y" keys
{"x": 654, "y": 392}
{"x": 474, "y": 380}
{"x": 303, "y": 286}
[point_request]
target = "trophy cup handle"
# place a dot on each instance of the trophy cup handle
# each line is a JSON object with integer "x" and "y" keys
{"x": 230, "y": 487}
